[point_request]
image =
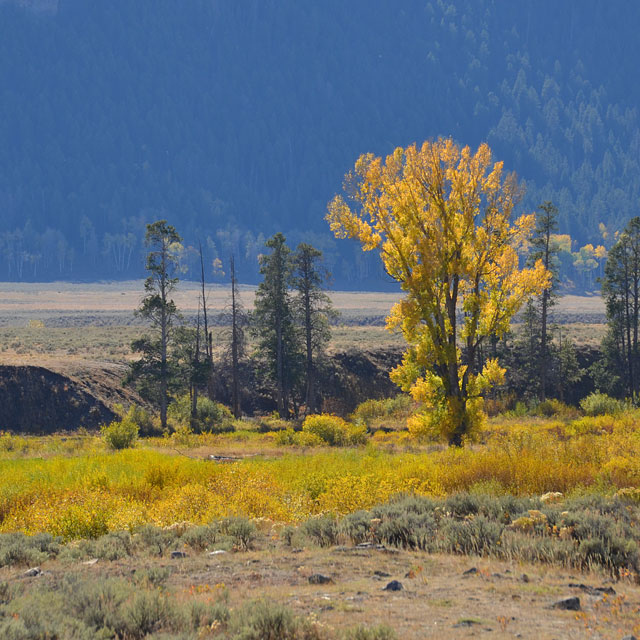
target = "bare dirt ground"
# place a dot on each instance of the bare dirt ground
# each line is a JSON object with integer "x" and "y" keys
{"x": 441, "y": 596}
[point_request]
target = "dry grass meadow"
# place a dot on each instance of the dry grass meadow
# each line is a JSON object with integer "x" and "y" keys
{"x": 163, "y": 541}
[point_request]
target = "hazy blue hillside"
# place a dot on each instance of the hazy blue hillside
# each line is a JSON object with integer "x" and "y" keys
{"x": 236, "y": 119}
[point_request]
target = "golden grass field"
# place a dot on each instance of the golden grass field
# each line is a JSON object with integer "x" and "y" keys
{"x": 105, "y": 313}
{"x": 75, "y": 488}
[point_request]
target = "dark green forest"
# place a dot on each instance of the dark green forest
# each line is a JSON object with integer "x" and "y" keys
{"x": 237, "y": 119}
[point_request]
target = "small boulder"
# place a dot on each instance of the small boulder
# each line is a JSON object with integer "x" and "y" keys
{"x": 465, "y": 623}
{"x": 567, "y": 604}
{"x": 551, "y": 497}
{"x": 394, "y": 585}
{"x": 32, "y": 573}
{"x": 175, "y": 555}
{"x": 470, "y": 572}
{"x": 318, "y": 578}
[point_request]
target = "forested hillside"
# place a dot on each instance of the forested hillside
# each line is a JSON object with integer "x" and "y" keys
{"x": 235, "y": 120}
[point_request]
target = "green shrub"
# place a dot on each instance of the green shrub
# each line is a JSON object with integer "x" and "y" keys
{"x": 211, "y": 417}
{"x": 267, "y": 424}
{"x": 400, "y": 406}
{"x": 242, "y": 531}
{"x": 553, "y": 407}
{"x": 289, "y": 437}
{"x": 478, "y": 536}
{"x": 600, "y": 404}
{"x": 152, "y": 577}
{"x": 204, "y": 615}
{"x": 5, "y": 593}
{"x": 17, "y": 549}
{"x": 155, "y": 540}
{"x": 285, "y": 437}
{"x": 269, "y": 621}
{"x": 146, "y": 612}
{"x": 114, "y": 546}
{"x": 410, "y": 531}
{"x": 334, "y": 430}
{"x": 140, "y": 417}
{"x": 357, "y": 527}
{"x": 323, "y": 530}
{"x": 380, "y": 632}
{"x": 120, "y": 434}
{"x": 201, "y": 538}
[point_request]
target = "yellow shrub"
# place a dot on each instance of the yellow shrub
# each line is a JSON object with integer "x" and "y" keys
{"x": 334, "y": 430}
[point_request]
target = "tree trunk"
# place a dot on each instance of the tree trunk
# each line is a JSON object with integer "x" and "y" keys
{"x": 235, "y": 374}
{"x": 163, "y": 340}
{"x": 279, "y": 368}
{"x": 310, "y": 395}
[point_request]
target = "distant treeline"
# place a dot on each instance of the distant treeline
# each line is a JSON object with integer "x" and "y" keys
{"x": 30, "y": 255}
{"x": 235, "y": 120}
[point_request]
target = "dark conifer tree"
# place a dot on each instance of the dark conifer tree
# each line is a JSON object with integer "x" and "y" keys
{"x": 621, "y": 291}
{"x": 278, "y": 348}
{"x": 313, "y": 307}
{"x": 545, "y": 249}
{"x": 153, "y": 371}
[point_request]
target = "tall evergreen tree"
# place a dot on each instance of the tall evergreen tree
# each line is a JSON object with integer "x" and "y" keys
{"x": 314, "y": 307}
{"x": 621, "y": 291}
{"x": 238, "y": 343}
{"x": 153, "y": 370}
{"x": 546, "y": 250}
{"x": 278, "y": 341}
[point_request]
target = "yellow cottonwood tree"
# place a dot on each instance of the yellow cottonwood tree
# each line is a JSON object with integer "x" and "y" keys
{"x": 440, "y": 217}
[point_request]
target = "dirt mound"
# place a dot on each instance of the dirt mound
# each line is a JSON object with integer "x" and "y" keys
{"x": 356, "y": 375}
{"x": 38, "y": 400}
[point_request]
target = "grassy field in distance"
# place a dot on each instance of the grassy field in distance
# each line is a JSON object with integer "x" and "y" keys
{"x": 105, "y": 312}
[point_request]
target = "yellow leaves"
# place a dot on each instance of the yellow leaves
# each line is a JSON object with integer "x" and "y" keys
{"x": 345, "y": 224}
{"x": 600, "y": 252}
{"x": 492, "y": 374}
{"x": 440, "y": 216}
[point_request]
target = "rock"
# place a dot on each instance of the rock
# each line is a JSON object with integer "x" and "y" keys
{"x": 470, "y": 572}
{"x": 374, "y": 547}
{"x": 32, "y": 573}
{"x": 593, "y": 591}
{"x": 467, "y": 622}
{"x": 629, "y": 637}
{"x": 524, "y": 577}
{"x": 178, "y": 555}
{"x": 217, "y": 552}
{"x": 568, "y": 604}
{"x": 213, "y": 458}
{"x": 318, "y": 578}
{"x": 91, "y": 562}
{"x": 394, "y": 585}
{"x": 381, "y": 574}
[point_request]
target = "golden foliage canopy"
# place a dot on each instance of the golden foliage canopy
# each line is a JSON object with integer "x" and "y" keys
{"x": 440, "y": 216}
